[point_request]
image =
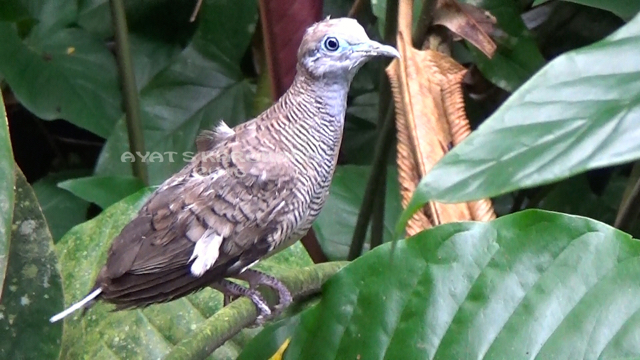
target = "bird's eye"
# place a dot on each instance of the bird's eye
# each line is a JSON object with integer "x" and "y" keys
{"x": 331, "y": 44}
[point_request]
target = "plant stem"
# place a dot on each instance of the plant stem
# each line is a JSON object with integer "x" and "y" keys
{"x": 129, "y": 90}
{"x": 241, "y": 313}
{"x": 385, "y": 140}
{"x": 386, "y": 134}
{"x": 377, "y": 218}
{"x": 424, "y": 21}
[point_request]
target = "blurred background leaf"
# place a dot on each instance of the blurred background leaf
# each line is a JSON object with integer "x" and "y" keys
{"x": 626, "y": 9}
{"x": 336, "y": 223}
{"x": 102, "y": 190}
{"x": 518, "y": 57}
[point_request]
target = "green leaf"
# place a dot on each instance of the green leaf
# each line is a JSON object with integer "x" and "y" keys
{"x": 626, "y": 9}
{"x": 201, "y": 87}
{"x": 269, "y": 340}
{"x": 49, "y": 16}
{"x": 166, "y": 21}
{"x": 529, "y": 285}
{"x": 32, "y": 289}
{"x": 578, "y": 113}
{"x": 517, "y": 57}
{"x": 62, "y": 209}
{"x": 336, "y": 223}
{"x": 6, "y": 192}
{"x": 149, "y": 333}
{"x": 73, "y": 69}
{"x": 13, "y": 11}
{"x": 102, "y": 190}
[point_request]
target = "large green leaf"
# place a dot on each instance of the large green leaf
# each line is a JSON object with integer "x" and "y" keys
{"x": 32, "y": 290}
{"x": 201, "y": 87}
{"x": 626, "y": 9}
{"x": 6, "y": 192}
{"x": 102, "y": 190}
{"x": 59, "y": 72}
{"x": 270, "y": 339}
{"x": 517, "y": 57}
{"x": 62, "y": 209}
{"x": 149, "y": 333}
{"x": 579, "y": 113}
{"x": 336, "y": 223}
{"x": 530, "y": 285}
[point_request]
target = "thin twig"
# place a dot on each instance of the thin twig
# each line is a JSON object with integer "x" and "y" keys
{"x": 631, "y": 182}
{"x": 377, "y": 218}
{"x": 630, "y": 209}
{"x": 194, "y": 14}
{"x": 241, "y": 313}
{"x": 129, "y": 90}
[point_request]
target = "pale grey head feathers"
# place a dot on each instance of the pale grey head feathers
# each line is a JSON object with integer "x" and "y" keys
{"x": 337, "y": 48}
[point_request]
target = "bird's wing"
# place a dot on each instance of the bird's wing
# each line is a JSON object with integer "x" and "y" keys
{"x": 228, "y": 199}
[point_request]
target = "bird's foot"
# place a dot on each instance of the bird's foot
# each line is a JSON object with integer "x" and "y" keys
{"x": 232, "y": 291}
{"x": 256, "y": 278}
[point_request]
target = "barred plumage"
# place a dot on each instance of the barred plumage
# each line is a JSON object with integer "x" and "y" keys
{"x": 249, "y": 192}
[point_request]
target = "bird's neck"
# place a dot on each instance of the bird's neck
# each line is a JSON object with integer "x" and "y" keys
{"x": 327, "y": 96}
{"x": 315, "y": 110}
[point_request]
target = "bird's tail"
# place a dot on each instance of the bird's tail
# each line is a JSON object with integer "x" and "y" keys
{"x": 80, "y": 304}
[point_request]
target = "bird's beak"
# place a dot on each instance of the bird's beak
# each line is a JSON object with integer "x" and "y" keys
{"x": 374, "y": 48}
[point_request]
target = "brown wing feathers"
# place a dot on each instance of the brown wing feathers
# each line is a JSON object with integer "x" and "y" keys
{"x": 148, "y": 260}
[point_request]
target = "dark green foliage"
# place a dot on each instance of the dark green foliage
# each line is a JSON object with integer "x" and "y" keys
{"x": 529, "y": 285}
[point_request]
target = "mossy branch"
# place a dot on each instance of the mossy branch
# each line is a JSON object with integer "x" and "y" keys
{"x": 227, "y": 322}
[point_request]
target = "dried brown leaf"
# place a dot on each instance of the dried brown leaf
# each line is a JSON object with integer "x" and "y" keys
{"x": 430, "y": 119}
{"x": 469, "y": 22}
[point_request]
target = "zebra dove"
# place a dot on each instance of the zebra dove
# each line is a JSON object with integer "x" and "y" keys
{"x": 249, "y": 192}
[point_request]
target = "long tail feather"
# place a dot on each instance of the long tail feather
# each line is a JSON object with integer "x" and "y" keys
{"x": 80, "y": 304}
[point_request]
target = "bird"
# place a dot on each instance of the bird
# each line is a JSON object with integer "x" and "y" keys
{"x": 249, "y": 192}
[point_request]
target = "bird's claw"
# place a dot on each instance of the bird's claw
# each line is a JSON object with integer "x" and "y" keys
{"x": 232, "y": 291}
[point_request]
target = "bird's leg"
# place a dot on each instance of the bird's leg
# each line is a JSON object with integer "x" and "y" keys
{"x": 255, "y": 278}
{"x": 231, "y": 291}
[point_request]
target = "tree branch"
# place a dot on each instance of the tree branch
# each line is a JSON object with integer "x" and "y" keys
{"x": 241, "y": 313}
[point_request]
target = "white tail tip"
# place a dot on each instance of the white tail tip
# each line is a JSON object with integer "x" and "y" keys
{"x": 76, "y": 306}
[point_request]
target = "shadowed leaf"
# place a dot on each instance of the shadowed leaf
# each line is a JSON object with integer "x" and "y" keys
{"x": 74, "y": 69}
{"x": 626, "y": 9}
{"x": 62, "y": 209}
{"x": 32, "y": 288}
{"x": 6, "y": 192}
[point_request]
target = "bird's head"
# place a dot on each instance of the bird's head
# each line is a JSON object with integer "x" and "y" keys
{"x": 337, "y": 48}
